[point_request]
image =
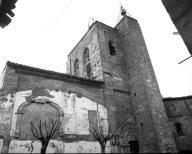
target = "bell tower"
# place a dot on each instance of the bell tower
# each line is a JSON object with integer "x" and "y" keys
{"x": 119, "y": 57}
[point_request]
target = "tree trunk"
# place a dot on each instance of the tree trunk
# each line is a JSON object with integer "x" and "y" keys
{"x": 102, "y": 148}
{"x": 43, "y": 148}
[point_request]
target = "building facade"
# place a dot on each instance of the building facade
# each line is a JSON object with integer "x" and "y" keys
{"x": 110, "y": 84}
{"x": 180, "y": 13}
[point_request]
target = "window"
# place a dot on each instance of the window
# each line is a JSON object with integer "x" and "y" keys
{"x": 112, "y": 49}
{"x": 76, "y": 67}
{"x": 86, "y": 57}
{"x": 89, "y": 73}
{"x": 179, "y": 129}
{"x": 87, "y": 63}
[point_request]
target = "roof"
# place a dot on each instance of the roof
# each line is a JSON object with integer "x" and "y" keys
{"x": 177, "y": 98}
{"x": 51, "y": 74}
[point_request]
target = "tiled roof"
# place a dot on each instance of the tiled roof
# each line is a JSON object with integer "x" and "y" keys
{"x": 50, "y": 74}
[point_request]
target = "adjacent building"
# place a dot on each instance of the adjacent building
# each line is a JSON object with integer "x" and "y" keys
{"x": 180, "y": 12}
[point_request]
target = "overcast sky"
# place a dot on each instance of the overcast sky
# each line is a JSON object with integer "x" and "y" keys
{"x": 43, "y": 32}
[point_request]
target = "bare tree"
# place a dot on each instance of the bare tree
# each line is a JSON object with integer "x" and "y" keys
{"x": 101, "y": 137}
{"x": 44, "y": 135}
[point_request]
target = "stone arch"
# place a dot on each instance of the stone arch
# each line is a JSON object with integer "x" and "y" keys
{"x": 52, "y": 109}
{"x": 23, "y": 105}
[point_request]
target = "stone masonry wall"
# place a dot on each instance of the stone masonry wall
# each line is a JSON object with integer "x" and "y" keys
{"x": 90, "y": 40}
{"x": 114, "y": 65}
{"x": 27, "y": 81}
{"x": 152, "y": 122}
{"x": 179, "y": 110}
{"x": 116, "y": 90}
{"x": 116, "y": 94}
{"x": 9, "y": 80}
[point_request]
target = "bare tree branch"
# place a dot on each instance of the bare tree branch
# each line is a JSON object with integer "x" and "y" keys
{"x": 56, "y": 126}
{"x": 102, "y": 133}
{"x": 33, "y": 127}
{"x": 95, "y": 134}
{"x": 49, "y": 134}
{"x": 46, "y": 129}
{"x": 40, "y": 129}
{"x": 53, "y": 124}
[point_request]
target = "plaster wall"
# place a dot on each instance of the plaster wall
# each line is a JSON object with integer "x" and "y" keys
{"x": 6, "y": 109}
{"x": 75, "y": 121}
{"x": 2, "y": 76}
{"x": 55, "y": 146}
{"x": 75, "y": 110}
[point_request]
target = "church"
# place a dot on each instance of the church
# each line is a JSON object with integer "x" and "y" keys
{"x": 110, "y": 86}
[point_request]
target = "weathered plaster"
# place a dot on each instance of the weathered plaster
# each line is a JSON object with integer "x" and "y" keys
{"x": 75, "y": 120}
{"x": 75, "y": 111}
{"x": 27, "y": 146}
{"x": 6, "y": 107}
{"x": 2, "y": 78}
{"x": 20, "y": 97}
{"x": 24, "y": 146}
{"x": 55, "y": 146}
{"x": 1, "y": 144}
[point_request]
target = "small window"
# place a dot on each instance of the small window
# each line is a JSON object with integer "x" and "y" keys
{"x": 76, "y": 67}
{"x": 112, "y": 49}
{"x": 179, "y": 129}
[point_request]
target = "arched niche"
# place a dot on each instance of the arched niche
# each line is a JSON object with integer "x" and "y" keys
{"x": 37, "y": 111}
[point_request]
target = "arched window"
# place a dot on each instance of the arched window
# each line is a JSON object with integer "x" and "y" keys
{"x": 87, "y": 63}
{"x": 179, "y": 129}
{"x": 76, "y": 67}
{"x": 112, "y": 49}
{"x": 86, "y": 57}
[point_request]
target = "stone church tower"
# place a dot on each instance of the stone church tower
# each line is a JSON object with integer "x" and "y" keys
{"x": 119, "y": 57}
{"x": 110, "y": 85}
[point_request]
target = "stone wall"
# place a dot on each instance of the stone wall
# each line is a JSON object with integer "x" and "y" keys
{"x": 179, "y": 111}
{"x": 90, "y": 41}
{"x": 116, "y": 92}
{"x": 113, "y": 65}
{"x": 9, "y": 79}
{"x": 152, "y": 122}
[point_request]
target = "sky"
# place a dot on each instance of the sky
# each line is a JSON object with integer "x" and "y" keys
{"x": 43, "y": 32}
